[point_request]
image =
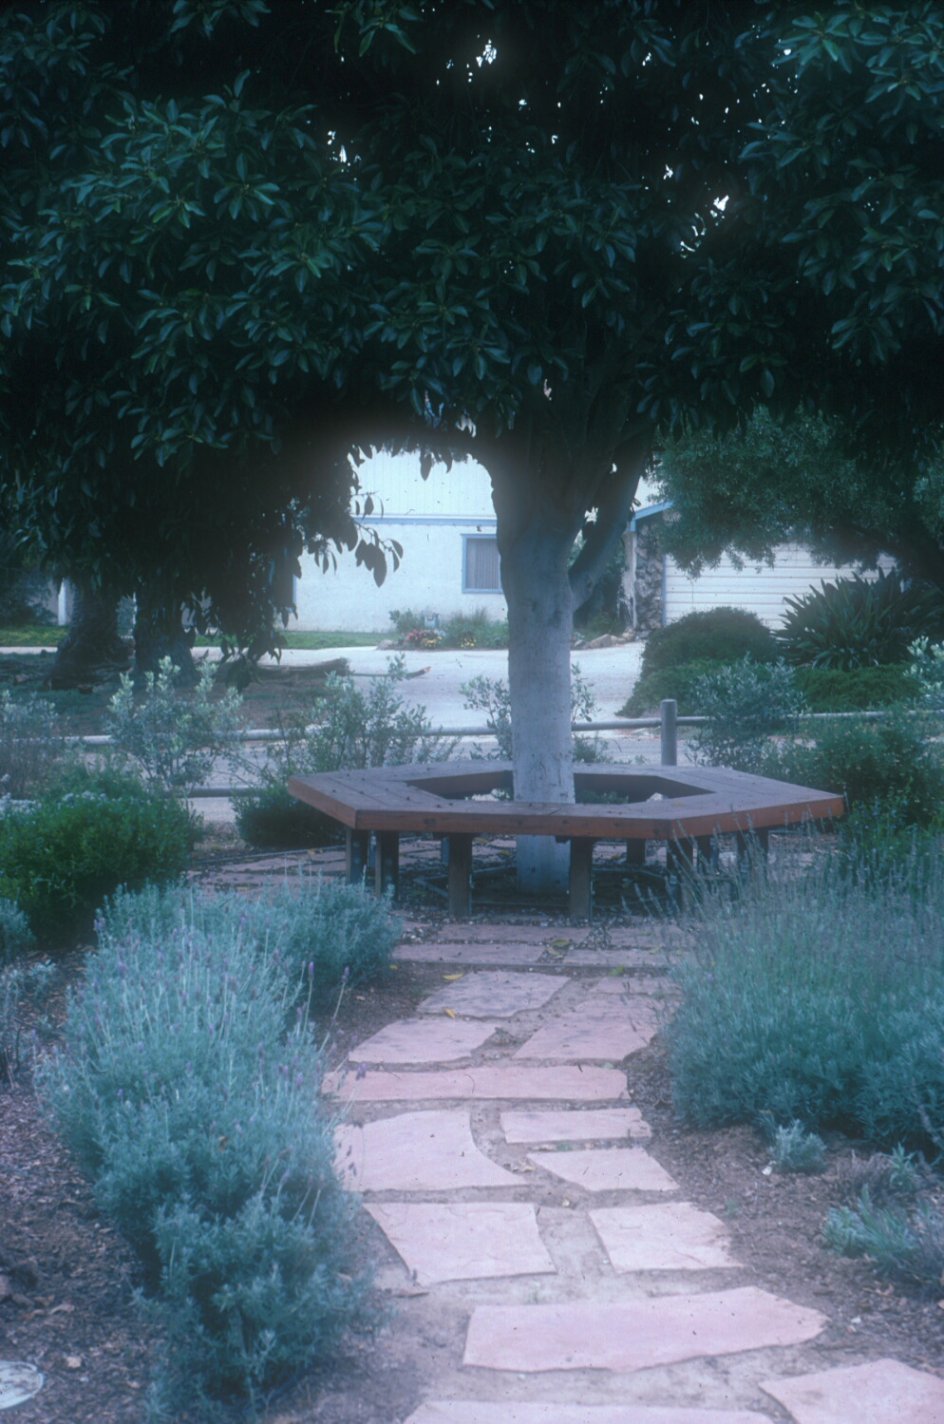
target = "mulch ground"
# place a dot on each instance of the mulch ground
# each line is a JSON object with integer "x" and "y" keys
{"x": 67, "y": 1282}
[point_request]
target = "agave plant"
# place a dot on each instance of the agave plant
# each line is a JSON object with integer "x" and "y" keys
{"x": 857, "y": 622}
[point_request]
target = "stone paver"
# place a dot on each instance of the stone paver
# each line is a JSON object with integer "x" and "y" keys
{"x": 607, "y": 1169}
{"x": 881, "y": 1392}
{"x": 634, "y": 1335}
{"x": 473, "y": 1411}
{"x": 565, "y": 1125}
{"x": 416, "y": 1152}
{"x": 490, "y": 1081}
{"x": 455, "y": 1241}
{"x": 509, "y": 954}
{"x": 497, "y": 995}
{"x": 595, "y": 1314}
{"x": 604, "y": 1027}
{"x": 670, "y": 1236}
{"x": 423, "y": 1041}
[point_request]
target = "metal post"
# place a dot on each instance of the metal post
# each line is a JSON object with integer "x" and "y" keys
{"x": 668, "y": 716}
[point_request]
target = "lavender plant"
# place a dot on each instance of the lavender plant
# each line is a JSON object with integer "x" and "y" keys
{"x": 320, "y": 935}
{"x": 32, "y": 746}
{"x": 197, "y": 1116}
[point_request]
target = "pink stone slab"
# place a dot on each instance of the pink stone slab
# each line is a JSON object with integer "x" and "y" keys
{"x": 562, "y": 1125}
{"x": 671, "y": 1236}
{"x": 563, "y": 1083}
{"x": 634, "y": 1335}
{"x": 473, "y": 1411}
{"x": 457, "y": 1241}
{"x": 510, "y": 954}
{"x": 881, "y": 1392}
{"x": 494, "y": 994}
{"x": 423, "y": 1041}
{"x": 604, "y": 1027}
{"x": 415, "y": 1152}
{"x": 607, "y": 1169}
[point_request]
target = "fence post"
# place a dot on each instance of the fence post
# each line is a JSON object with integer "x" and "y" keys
{"x": 668, "y": 714}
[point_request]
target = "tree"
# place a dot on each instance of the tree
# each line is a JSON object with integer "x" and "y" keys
{"x": 146, "y": 449}
{"x": 768, "y": 481}
{"x": 541, "y": 233}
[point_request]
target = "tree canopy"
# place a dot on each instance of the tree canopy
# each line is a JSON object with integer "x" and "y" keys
{"x": 769, "y": 481}
{"x": 244, "y": 237}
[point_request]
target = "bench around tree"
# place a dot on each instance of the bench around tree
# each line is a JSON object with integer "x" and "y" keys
{"x": 687, "y": 807}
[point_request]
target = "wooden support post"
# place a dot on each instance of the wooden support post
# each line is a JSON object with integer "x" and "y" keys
{"x": 636, "y": 852}
{"x": 668, "y": 717}
{"x": 581, "y": 879}
{"x": 750, "y": 846}
{"x": 387, "y": 868}
{"x": 708, "y": 855}
{"x": 356, "y": 845}
{"x": 459, "y": 875}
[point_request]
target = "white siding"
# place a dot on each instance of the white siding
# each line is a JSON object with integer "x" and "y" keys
{"x": 429, "y": 519}
{"x": 760, "y": 588}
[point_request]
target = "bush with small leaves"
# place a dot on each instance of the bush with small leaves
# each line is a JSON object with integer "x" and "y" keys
{"x": 793, "y": 1148}
{"x": 890, "y": 761}
{"x": 822, "y": 1002}
{"x": 857, "y": 689}
{"x": 19, "y": 984}
{"x": 62, "y": 855}
{"x": 321, "y": 935}
{"x": 903, "y": 1243}
{"x": 719, "y": 635}
{"x": 745, "y": 704}
{"x": 492, "y": 696}
{"x": 341, "y": 727}
{"x": 169, "y": 736}
{"x": 33, "y": 748}
{"x": 197, "y": 1116}
{"x": 16, "y": 937}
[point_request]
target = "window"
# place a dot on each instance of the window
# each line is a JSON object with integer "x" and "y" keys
{"x": 481, "y": 572}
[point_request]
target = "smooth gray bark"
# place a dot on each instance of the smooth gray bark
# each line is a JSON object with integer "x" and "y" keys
{"x": 540, "y": 627}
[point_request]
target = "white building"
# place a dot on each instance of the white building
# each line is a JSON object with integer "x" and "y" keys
{"x": 446, "y": 527}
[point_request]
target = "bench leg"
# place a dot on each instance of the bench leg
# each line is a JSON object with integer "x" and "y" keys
{"x": 581, "y": 879}
{"x": 636, "y": 852}
{"x": 459, "y": 875}
{"x": 356, "y": 846}
{"x": 708, "y": 859}
{"x": 750, "y": 847}
{"x": 387, "y": 868}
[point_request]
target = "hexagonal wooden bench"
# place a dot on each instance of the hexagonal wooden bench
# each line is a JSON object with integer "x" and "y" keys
{"x": 688, "y": 807}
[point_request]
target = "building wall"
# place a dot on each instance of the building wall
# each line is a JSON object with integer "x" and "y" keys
{"x": 759, "y": 588}
{"x": 432, "y": 520}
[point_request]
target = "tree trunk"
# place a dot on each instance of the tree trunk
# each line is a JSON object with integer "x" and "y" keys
{"x": 159, "y": 633}
{"x": 91, "y": 651}
{"x": 540, "y": 627}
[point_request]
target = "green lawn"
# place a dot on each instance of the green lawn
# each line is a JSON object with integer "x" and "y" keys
{"x": 49, "y": 636}
{"x": 32, "y": 635}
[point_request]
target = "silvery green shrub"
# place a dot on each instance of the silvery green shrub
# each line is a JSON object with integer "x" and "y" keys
{"x": 32, "y": 746}
{"x": 171, "y": 737}
{"x": 197, "y": 1116}
{"x": 321, "y": 935}
{"x": 16, "y": 937}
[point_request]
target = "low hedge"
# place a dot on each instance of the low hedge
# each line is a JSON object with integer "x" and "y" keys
{"x": 62, "y": 855}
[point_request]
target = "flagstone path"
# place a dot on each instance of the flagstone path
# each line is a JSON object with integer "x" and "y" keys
{"x": 496, "y": 1146}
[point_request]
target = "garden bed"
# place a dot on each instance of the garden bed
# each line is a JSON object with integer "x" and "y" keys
{"x": 67, "y": 1279}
